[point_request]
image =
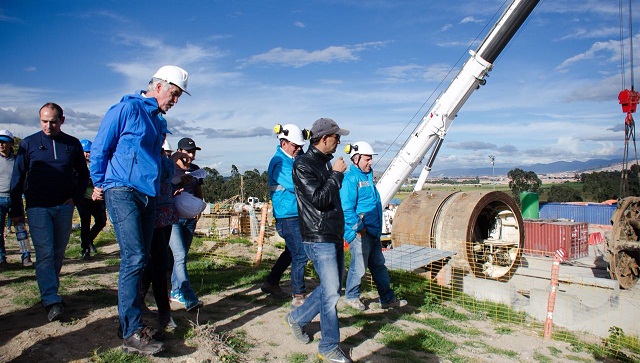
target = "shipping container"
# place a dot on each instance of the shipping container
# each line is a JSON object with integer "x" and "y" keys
{"x": 544, "y": 237}
{"x": 593, "y": 213}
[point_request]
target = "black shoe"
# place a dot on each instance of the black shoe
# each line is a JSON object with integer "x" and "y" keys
{"x": 26, "y": 262}
{"x": 191, "y": 305}
{"x": 86, "y": 255}
{"x": 54, "y": 311}
{"x": 140, "y": 342}
{"x": 93, "y": 248}
{"x": 274, "y": 290}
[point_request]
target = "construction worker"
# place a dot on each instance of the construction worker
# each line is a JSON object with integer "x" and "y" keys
{"x": 363, "y": 227}
{"x": 285, "y": 210}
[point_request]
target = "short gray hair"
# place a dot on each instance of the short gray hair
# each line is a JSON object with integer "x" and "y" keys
{"x": 154, "y": 81}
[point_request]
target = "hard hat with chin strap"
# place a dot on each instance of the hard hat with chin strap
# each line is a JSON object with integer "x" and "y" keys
{"x": 174, "y": 75}
{"x": 292, "y": 133}
{"x": 360, "y": 147}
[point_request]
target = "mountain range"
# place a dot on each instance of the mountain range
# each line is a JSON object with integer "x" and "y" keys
{"x": 540, "y": 169}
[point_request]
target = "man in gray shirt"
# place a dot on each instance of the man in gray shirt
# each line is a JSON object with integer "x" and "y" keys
{"x": 6, "y": 169}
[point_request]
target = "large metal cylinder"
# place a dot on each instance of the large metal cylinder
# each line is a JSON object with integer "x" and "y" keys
{"x": 624, "y": 245}
{"x": 484, "y": 229}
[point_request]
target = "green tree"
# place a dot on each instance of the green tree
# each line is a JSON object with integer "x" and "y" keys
{"x": 523, "y": 181}
{"x": 602, "y": 185}
{"x": 256, "y": 184}
{"x": 213, "y": 186}
{"x": 563, "y": 193}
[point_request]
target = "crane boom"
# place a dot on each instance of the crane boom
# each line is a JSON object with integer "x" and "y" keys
{"x": 434, "y": 125}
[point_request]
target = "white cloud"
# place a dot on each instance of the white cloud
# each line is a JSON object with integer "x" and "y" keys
{"x": 471, "y": 19}
{"x": 301, "y": 57}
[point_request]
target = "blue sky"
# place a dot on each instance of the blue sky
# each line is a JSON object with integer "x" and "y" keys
{"x": 373, "y": 66}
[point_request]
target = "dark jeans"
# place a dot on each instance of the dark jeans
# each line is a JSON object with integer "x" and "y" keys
{"x": 293, "y": 254}
{"x": 86, "y": 210}
{"x": 156, "y": 271}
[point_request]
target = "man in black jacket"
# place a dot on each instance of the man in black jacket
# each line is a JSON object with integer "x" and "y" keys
{"x": 317, "y": 184}
{"x": 44, "y": 172}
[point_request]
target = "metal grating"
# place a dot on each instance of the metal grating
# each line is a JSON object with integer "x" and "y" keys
{"x": 411, "y": 257}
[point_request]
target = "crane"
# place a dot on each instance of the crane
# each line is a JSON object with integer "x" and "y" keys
{"x": 484, "y": 230}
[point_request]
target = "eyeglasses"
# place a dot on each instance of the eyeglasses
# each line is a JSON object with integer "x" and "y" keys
{"x": 336, "y": 136}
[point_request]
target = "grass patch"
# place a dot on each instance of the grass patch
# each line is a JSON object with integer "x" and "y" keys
{"x": 539, "y": 357}
{"x": 226, "y": 346}
{"x": 297, "y": 358}
{"x": 577, "y": 358}
{"x": 422, "y": 340}
{"x": 439, "y": 324}
{"x": 499, "y": 351}
{"x": 112, "y": 262}
{"x": 116, "y": 355}
{"x": 555, "y": 351}
{"x": 503, "y": 330}
{"x": 27, "y": 294}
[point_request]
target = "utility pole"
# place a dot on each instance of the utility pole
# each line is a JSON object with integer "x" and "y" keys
{"x": 493, "y": 181}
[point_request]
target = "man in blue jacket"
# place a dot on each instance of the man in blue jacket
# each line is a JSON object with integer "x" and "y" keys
{"x": 44, "y": 171}
{"x": 125, "y": 162}
{"x": 285, "y": 210}
{"x": 363, "y": 227}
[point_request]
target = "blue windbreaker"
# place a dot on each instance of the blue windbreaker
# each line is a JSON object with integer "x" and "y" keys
{"x": 361, "y": 204}
{"x": 126, "y": 150}
{"x": 282, "y": 192}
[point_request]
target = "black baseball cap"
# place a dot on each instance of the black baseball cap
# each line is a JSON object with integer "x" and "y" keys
{"x": 187, "y": 144}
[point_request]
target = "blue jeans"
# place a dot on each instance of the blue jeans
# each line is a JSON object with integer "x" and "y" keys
{"x": 50, "y": 229}
{"x": 328, "y": 260}
{"x": 294, "y": 254}
{"x": 133, "y": 216}
{"x": 180, "y": 243}
{"x": 366, "y": 252}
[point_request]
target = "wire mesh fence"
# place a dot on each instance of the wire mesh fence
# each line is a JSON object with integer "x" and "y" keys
{"x": 589, "y": 309}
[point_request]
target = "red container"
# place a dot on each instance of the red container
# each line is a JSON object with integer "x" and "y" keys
{"x": 543, "y": 238}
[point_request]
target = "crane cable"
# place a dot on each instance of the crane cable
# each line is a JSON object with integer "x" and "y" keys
{"x": 462, "y": 57}
{"x": 629, "y": 101}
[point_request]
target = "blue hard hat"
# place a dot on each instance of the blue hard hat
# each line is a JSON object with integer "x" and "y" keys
{"x": 86, "y": 145}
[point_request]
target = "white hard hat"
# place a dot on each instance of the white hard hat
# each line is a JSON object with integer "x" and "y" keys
{"x": 188, "y": 206}
{"x": 166, "y": 146}
{"x": 174, "y": 75}
{"x": 290, "y": 132}
{"x": 360, "y": 147}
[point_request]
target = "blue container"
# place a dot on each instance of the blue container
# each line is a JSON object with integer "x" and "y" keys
{"x": 593, "y": 213}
